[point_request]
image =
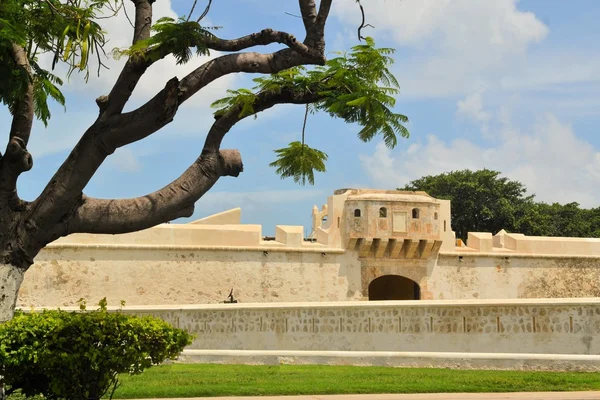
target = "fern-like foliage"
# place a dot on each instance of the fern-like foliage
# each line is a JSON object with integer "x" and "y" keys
{"x": 242, "y": 98}
{"x": 356, "y": 86}
{"x": 298, "y": 161}
{"x": 66, "y": 29}
{"x": 177, "y": 37}
{"x": 44, "y": 87}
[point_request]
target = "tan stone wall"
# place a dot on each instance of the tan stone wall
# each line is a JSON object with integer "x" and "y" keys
{"x": 471, "y": 276}
{"x": 61, "y": 276}
{"x": 170, "y": 275}
{"x": 526, "y": 326}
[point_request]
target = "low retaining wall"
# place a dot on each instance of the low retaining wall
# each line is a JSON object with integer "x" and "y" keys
{"x": 539, "y": 333}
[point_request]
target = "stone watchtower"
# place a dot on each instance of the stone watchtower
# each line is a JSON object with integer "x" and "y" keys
{"x": 396, "y": 236}
{"x": 392, "y": 224}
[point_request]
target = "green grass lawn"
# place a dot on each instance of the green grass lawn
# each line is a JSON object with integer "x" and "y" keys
{"x": 199, "y": 380}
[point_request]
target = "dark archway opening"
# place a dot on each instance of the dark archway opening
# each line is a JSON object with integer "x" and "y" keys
{"x": 394, "y": 287}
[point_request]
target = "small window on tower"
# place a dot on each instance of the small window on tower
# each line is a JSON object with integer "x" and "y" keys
{"x": 435, "y": 216}
{"x": 415, "y": 213}
{"x": 382, "y": 212}
{"x": 357, "y": 213}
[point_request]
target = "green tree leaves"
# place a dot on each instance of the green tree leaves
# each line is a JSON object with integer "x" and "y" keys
{"x": 177, "y": 37}
{"x": 357, "y": 87}
{"x": 298, "y": 161}
{"x": 482, "y": 201}
{"x": 67, "y": 29}
{"x": 242, "y": 98}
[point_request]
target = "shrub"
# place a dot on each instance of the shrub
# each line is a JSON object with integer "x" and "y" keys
{"x": 78, "y": 355}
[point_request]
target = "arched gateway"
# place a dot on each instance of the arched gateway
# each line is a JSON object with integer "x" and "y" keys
{"x": 394, "y": 287}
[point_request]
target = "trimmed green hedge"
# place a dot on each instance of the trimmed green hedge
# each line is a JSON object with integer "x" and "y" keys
{"x": 79, "y": 354}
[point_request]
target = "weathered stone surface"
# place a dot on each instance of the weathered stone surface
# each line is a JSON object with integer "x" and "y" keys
{"x": 525, "y": 326}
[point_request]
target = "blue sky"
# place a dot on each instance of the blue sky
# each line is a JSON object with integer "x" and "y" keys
{"x": 503, "y": 84}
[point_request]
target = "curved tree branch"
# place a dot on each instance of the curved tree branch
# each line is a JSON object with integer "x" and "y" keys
{"x": 177, "y": 199}
{"x": 132, "y": 70}
{"x": 23, "y": 116}
{"x": 138, "y": 124}
{"x": 54, "y": 210}
{"x": 262, "y": 38}
{"x": 143, "y": 19}
{"x": 135, "y": 68}
{"x": 315, "y": 31}
{"x": 264, "y": 101}
{"x": 15, "y": 161}
{"x": 308, "y": 9}
{"x": 173, "y": 201}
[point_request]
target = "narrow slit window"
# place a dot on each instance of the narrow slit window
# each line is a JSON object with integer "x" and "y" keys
{"x": 444, "y": 226}
{"x": 435, "y": 216}
{"x": 382, "y": 212}
{"x": 357, "y": 213}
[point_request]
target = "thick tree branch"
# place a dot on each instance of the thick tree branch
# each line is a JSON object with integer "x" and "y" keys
{"x": 143, "y": 19}
{"x": 133, "y": 69}
{"x": 177, "y": 199}
{"x": 308, "y": 9}
{"x": 130, "y": 127}
{"x": 138, "y": 124}
{"x": 136, "y": 67}
{"x": 324, "y": 9}
{"x": 15, "y": 161}
{"x": 262, "y": 38}
{"x": 264, "y": 101}
{"x": 241, "y": 62}
{"x": 62, "y": 198}
{"x": 23, "y": 115}
{"x": 173, "y": 201}
{"x": 107, "y": 134}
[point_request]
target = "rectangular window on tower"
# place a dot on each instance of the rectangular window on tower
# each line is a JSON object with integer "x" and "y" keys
{"x": 399, "y": 221}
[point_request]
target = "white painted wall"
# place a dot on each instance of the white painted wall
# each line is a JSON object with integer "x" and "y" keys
{"x": 561, "y": 326}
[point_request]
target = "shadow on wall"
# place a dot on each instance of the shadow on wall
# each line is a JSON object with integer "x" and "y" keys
{"x": 394, "y": 287}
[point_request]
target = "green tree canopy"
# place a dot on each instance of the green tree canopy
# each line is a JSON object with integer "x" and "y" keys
{"x": 69, "y": 30}
{"x": 483, "y": 201}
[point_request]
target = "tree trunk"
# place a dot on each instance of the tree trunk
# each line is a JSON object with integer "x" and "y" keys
{"x": 11, "y": 278}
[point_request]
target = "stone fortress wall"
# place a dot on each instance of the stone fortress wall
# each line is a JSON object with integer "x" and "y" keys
{"x": 541, "y": 334}
{"x": 367, "y": 244}
{"x": 504, "y": 301}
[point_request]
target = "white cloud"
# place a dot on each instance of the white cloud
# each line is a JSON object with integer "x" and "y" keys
{"x": 124, "y": 160}
{"x": 548, "y": 158}
{"x": 472, "y": 108}
{"x": 453, "y": 23}
{"x": 456, "y": 44}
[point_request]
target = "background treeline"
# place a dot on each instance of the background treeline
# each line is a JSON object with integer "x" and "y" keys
{"x": 482, "y": 201}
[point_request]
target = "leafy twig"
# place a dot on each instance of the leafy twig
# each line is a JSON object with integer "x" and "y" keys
{"x": 304, "y": 125}
{"x": 362, "y": 24}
